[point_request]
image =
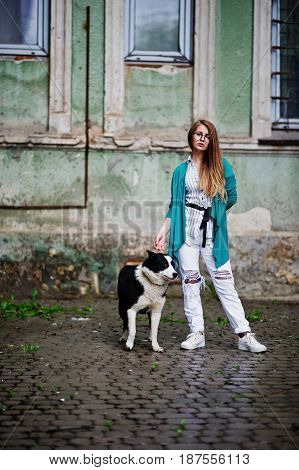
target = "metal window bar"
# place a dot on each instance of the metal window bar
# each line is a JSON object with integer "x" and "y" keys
{"x": 281, "y": 120}
{"x": 184, "y": 55}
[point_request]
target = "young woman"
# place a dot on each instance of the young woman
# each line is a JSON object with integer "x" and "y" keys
{"x": 203, "y": 188}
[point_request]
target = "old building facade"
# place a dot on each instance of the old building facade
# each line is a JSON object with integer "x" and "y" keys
{"x": 92, "y": 127}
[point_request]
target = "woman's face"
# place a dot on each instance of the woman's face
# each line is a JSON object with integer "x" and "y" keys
{"x": 201, "y": 138}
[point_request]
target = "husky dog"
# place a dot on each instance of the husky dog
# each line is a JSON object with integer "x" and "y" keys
{"x": 142, "y": 289}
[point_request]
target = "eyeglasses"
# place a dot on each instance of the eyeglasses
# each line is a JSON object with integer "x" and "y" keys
{"x": 200, "y": 136}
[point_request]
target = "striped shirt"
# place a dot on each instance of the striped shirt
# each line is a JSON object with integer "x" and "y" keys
{"x": 195, "y": 196}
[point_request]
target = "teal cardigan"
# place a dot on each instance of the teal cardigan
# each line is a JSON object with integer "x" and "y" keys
{"x": 176, "y": 212}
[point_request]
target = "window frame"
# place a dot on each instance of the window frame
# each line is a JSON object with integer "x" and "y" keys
{"x": 278, "y": 122}
{"x": 262, "y": 132}
{"x": 43, "y": 33}
{"x": 186, "y": 29}
{"x": 204, "y": 38}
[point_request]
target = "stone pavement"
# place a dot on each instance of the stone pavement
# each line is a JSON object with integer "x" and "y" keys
{"x": 82, "y": 390}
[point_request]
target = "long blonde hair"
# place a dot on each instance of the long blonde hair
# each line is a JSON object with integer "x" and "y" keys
{"x": 212, "y": 180}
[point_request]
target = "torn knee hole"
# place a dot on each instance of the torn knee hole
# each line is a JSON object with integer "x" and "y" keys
{"x": 192, "y": 277}
{"x": 222, "y": 275}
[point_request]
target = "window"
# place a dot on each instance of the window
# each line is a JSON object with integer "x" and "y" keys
{"x": 159, "y": 31}
{"x": 285, "y": 64}
{"x": 24, "y": 27}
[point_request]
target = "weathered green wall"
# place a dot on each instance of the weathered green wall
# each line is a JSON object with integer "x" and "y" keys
{"x": 96, "y": 78}
{"x": 128, "y": 198}
{"x": 25, "y": 83}
{"x": 234, "y": 39}
{"x": 270, "y": 182}
{"x": 158, "y": 97}
{"x": 139, "y": 182}
{"x": 41, "y": 177}
{"x": 129, "y": 191}
{"x": 24, "y": 95}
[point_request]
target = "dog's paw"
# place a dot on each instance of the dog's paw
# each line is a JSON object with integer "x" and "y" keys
{"x": 123, "y": 339}
{"x": 158, "y": 348}
{"x": 129, "y": 345}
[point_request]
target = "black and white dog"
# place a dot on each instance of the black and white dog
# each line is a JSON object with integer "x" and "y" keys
{"x": 142, "y": 289}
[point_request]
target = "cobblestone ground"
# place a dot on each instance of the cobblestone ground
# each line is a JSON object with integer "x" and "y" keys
{"x": 82, "y": 390}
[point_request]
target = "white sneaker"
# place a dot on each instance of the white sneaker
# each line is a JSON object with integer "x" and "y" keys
{"x": 194, "y": 340}
{"x": 249, "y": 343}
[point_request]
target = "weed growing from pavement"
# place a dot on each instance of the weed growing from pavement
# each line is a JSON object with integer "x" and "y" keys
{"x": 255, "y": 315}
{"x": 108, "y": 423}
{"x": 11, "y": 393}
{"x": 237, "y": 367}
{"x": 222, "y": 322}
{"x": 33, "y": 308}
{"x": 181, "y": 427}
{"x": 239, "y": 396}
{"x": 170, "y": 318}
{"x": 154, "y": 365}
{"x": 28, "y": 348}
{"x": 80, "y": 310}
{"x": 69, "y": 395}
{"x": 220, "y": 372}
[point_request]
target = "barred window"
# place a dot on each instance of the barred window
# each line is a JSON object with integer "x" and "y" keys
{"x": 285, "y": 64}
{"x": 24, "y": 27}
{"x": 159, "y": 31}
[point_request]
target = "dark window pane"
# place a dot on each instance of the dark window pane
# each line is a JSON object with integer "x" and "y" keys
{"x": 289, "y": 58}
{"x": 285, "y": 84}
{"x": 289, "y": 10}
{"x": 18, "y": 21}
{"x": 157, "y": 25}
{"x": 289, "y": 109}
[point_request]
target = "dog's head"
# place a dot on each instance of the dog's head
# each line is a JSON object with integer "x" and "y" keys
{"x": 161, "y": 264}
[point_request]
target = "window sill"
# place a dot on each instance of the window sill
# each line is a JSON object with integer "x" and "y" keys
{"x": 158, "y": 64}
{"x": 19, "y": 57}
{"x": 281, "y": 138}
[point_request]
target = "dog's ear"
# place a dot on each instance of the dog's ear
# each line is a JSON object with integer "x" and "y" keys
{"x": 150, "y": 253}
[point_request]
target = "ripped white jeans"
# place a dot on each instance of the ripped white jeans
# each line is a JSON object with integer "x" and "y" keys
{"x": 223, "y": 281}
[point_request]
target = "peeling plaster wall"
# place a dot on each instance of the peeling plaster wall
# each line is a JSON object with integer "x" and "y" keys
{"x": 234, "y": 41}
{"x": 159, "y": 97}
{"x": 270, "y": 182}
{"x": 41, "y": 177}
{"x": 96, "y": 79}
{"x": 23, "y": 95}
{"x": 59, "y": 250}
{"x": 71, "y": 250}
{"x": 266, "y": 264}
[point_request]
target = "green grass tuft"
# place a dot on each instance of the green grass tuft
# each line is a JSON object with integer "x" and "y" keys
{"x": 33, "y": 308}
{"x": 255, "y": 315}
{"x": 29, "y": 348}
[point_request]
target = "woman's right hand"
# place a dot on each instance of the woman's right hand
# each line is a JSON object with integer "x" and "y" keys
{"x": 159, "y": 242}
